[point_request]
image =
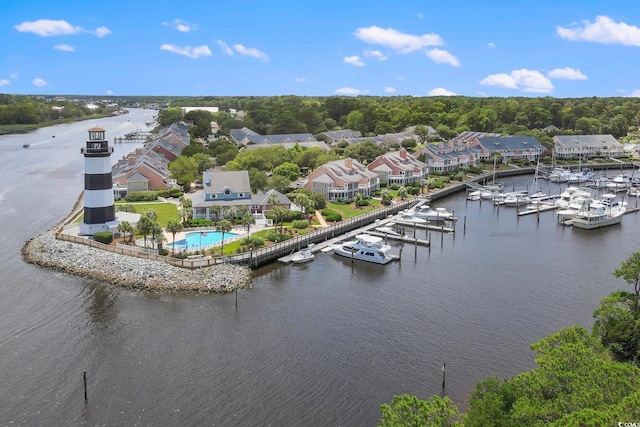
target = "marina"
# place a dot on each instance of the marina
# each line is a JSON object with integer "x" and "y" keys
{"x": 302, "y": 343}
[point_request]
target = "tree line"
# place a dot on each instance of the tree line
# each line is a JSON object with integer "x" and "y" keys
{"x": 447, "y": 115}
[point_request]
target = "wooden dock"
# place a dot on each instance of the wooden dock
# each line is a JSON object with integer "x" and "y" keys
{"x": 542, "y": 208}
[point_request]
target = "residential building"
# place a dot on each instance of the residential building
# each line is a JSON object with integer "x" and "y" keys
{"x": 399, "y": 167}
{"x": 449, "y": 156}
{"x": 264, "y": 202}
{"x": 333, "y": 137}
{"x": 221, "y": 190}
{"x": 586, "y": 146}
{"x": 246, "y": 136}
{"x": 342, "y": 179}
{"x": 509, "y": 147}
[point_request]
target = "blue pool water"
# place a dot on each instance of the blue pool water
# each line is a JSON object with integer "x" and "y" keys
{"x": 200, "y": 239}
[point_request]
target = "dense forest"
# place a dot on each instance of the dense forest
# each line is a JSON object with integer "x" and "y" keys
{"x": 373, "y": 115}
{"x": 448, "y": 115}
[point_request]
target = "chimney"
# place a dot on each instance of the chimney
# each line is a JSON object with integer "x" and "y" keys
{"x": 403, "y": 154}
{"x": 348, "y": 162}
{"x": 131, "y": 161}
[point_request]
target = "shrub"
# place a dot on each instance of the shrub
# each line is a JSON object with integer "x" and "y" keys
{"x": 105, "y": 237}
{"x": 331, "y": 215}
{"x": 362, "y": 202}
{"x": 293, "y": 216}
{"x": 141, "y": 196}
{"x": 163, "y": 252}
{"x": 395, "y": 186}
{"x": 276, "y": 237}
{"x": 300, "y": 224}
{"x": 200, "y": 223}
{"x": 257, "y": 241}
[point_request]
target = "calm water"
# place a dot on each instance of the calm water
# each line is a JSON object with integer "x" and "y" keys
{"x": 323, "y": 343}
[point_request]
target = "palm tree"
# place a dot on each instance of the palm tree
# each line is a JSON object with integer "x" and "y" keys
{"x": 357, "y": 198}
{"x": 174, "y": 227}
{"x": 279, "y": 214}
{"x": 223, "y": 226}
{"x": 157, "y": 235}
{"x": 385, "y": 194}
{"x": 145, "y": 226}
{"x": 402, "y": 192}
{"x": 247, "y": 220}
{"x": 125, "y": 227}
{"x": 424, "y": 182}
{"x": 304, "y": 202}
{"x": 151, "y": 214}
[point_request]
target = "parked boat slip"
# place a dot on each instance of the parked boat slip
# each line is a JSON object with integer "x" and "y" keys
{"x": 304, "y": 255}
{"x": 365, "y": 247}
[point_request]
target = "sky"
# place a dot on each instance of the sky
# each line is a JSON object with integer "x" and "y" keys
{"x": 560, "y": 48}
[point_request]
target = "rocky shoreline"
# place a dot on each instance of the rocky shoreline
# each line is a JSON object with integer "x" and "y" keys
{"x": 131, "y": 272}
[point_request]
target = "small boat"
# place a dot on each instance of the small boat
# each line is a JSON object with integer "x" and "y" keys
{"x": 430, "y": 214}
{"x": 365, "y": 247}
{"x": 303, "y": 255}
{"x": 26, "y": 146}
{"x": 620, "y": 182}
{"x": 559, "y": 175}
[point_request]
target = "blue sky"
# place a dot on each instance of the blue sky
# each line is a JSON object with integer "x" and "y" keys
{"x": 555, "y": 48}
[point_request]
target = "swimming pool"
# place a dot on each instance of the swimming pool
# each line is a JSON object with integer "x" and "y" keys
{"x": 201, "y": 239}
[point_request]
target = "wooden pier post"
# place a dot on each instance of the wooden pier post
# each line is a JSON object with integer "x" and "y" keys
{"x": 84, "y": 379}
{"x": 441, "y": 236}
{"x": 464, "y": 226}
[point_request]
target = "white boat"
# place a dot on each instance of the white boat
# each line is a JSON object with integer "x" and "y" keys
{"x": 634, "y": 191}
{"x": 600, "y": 181}
{"x": 621, "y": 181}
{"x": 597, "y": 214}
{"x": 365, "y": 247}
{"x": 559, "y": 175}
{"x": 580, "y": 176}
{"x": 515, "y": 199}
{"x": 303, "y": 255}
{"x": 579, "y": 199}
{"x": 568, "y": 195}
{"x": 430, "y": 214}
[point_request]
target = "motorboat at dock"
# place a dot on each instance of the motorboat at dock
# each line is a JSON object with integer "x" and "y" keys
{"x": 599, "y": 213}
{"x": 304, "y": 255}
{"x": 431, "y": 214}
{"x": 365, "y": 247}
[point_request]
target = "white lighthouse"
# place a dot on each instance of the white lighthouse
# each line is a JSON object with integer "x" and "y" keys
{"x": 99, "y": 205}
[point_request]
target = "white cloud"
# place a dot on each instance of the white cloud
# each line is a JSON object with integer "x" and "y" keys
{"x": 526, "y": 80}
{"x": 4, "y": 82}
{"x": 353, "y": 60}
{"x": 181, "y": 26}
{"x": 440, "y": 91}
{"x": 64, "y": 48}
{"x": 400, "y": 42}
{"x": 389, "y": 89}
{"x": 350, "y": 91}
{"x": 300, "y": 79}
{"x": 440, "y": 56}
{"x": 39, "y": 82}
{"x": 567, "y": 74}
{"x": 191, "y": 52}
{"x": 14, "y": 75}
{"x": 49, "y": 28}
{"x": 635, "y": 93}
{"x": 225, "y": 48}
{"x": 375, "y": 54}
{"x": 604, "y": 30}
{"x": 109, "y": 92}
{"x": 250, "y": 51}
{"x": 491, "y": 45}
{"x": 100, "y": 32}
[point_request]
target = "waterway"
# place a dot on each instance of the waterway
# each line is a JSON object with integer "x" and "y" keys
{"x": 322, "y": 344}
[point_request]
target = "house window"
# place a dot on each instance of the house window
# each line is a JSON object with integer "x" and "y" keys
{"x": 227, "y": 191}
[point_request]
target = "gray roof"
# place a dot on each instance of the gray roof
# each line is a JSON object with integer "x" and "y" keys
{"x": 338, "y": 135}
{"x": 263, "y": 198}
{"x": 510, "y": 143}
{"x": 237, "y": 181}
{"x": 594, "y": 141}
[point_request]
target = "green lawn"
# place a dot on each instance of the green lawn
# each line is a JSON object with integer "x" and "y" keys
{"x": 165, "y": 211}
